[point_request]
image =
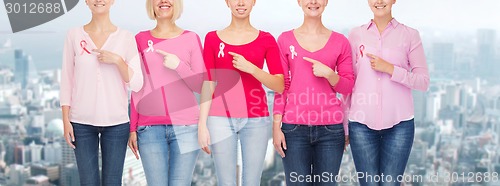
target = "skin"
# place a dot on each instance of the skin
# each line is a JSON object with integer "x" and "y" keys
{"x": 382, "y": 15}
{"x": 99, "y": 29}
{"x": 239, "y": 32}
{"x": 165, "y": 28}
{"x": 312, "y": 35}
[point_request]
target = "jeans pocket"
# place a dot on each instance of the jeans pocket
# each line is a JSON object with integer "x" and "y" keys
{"x": 338, "y": 128}
{"x": 287, "y": 128}
{"x": 142, "y": 129}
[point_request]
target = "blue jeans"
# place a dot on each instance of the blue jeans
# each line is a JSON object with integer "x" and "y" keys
{"x": 380, "y": 156}
{"x": 168, "y": 153}
{"x": 312, "y": 151}
{"x": 253, "y": 133}
{"x": 113, "y": 141}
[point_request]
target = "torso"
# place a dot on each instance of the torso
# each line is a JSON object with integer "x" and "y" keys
{"x": 99, "y": 37}
{"x": 312, "y": 42}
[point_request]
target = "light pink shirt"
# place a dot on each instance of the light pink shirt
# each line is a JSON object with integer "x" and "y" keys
{"x": 96, "y": 92}
{"x": 380, "y": 100}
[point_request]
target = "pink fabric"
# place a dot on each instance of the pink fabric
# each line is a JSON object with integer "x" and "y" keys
{"x": 95, "y": 92}
{"x": 307, "y": 99}
{"x": 239, "y": 94}
{"x": 168, "y": 95}
{"x": 380, "y": 100}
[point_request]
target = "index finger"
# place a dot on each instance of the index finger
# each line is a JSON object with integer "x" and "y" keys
{"x": 371, "y": 56}
{"x": 310, "y": 60}
{"x": 162, "y": 52}
{"x": 97, "y": 51}
{"x": 234, "y": 54}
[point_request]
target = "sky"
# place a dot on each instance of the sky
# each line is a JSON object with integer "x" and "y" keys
{"x": 434, "y": 17}
{"x": 279, "y": 15}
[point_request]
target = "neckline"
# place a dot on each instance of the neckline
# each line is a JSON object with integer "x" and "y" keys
{"x": 159, "y": 38}
{"x": 105, "y": 42}
{"x": 244, "y": 44}
{"x": 320, "y": 49}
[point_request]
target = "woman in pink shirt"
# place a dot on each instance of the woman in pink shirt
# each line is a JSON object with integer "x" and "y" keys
{"x": 389, "y": 64}
{"x": 233, "y": 102}
{"x": 100, "y": 61}
{"x": 164, "y": 116}
{"x": 308, "y": 132}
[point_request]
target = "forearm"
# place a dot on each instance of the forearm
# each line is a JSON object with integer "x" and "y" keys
{"x": 277, "y": 118}
{"x": 65, "y": 113}
{"x": 125, "y": 72}
{"x": 273, "y": 82}
{"x": 207, "y": 92}
{"x": 333, "y": 79}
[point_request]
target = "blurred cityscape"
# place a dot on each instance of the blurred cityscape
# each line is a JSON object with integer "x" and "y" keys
{"x": 457, "y": 122}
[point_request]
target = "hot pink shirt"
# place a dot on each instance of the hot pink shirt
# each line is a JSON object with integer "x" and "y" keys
{"x": 307, "y": 99}
{"x": 96, "y": 92}
{"x": 380, "y": 100}
{"x": 239, "y": 94}
{"x": 167, "y": 97}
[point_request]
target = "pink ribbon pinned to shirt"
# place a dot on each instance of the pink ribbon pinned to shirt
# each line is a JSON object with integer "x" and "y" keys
{"x": 292, "y": 51}
{"x": 361, "y": 49}
{"x": 221, "y": 50}
{"x": 83, "y": 44}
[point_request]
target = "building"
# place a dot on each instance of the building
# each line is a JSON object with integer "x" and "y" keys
{"x": 24, "y": 70}
{"x": 46, "y": 169}
{"x": 39, "y": 180}
{"x": 18, "y": 174}
{"x": 486, "y": 39}
{"x": 52, "y": 153}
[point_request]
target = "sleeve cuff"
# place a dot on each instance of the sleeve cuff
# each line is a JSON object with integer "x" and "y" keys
{"x": 399, "y": 74}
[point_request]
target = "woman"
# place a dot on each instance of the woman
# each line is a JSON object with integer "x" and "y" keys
{"x": 390, "y": 63}
{"x": 234, "y": 58}
{"x": 311, "y": 139}
{"x": 163, "y": 125}
{"x": 99, "y": 61}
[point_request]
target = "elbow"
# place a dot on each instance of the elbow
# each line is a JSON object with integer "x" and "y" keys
{"x": 424, "y": 86}
{"x": 280, "y": 89}
{"x": 136, "y": 87}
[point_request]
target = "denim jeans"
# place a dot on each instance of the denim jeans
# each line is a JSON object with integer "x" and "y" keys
{"x": 253, "y": 134}
{"x": 113, "y": 141}
{"x": 168, "y": 153}
{"x": 380, "y": 156}
{"x": 312, "y": 151}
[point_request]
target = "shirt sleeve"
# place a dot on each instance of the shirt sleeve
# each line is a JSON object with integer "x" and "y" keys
{"x": 68, "y": 64}
{"x": 192, "y": 71}
{"x": 344, "y": 69}
{"x": 280, "y": 99}
{"x": 273, "y": 59}
{"x": 133, "y": 60}
{"x": 418, "y": 75}
{"x": 134, "y": 115}
{"x": 209, "y": 58}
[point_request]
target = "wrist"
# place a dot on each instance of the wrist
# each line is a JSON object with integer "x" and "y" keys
{"x": 389, "y": 69}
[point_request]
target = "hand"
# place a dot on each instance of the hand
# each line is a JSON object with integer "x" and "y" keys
{"x": 319, "y": 69}
{"x": 69, "y": 136}
{"x": 380, "y": 65}
{"x": 240, "y": 63}
{"x": 171, "y": 61}
{"x": 107, "y": 57}
{"x": 204, "y": 138}
{"x": 279, "y": 141}
{"x": 132, "y": 144}
{"x": 346, "y": 142}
